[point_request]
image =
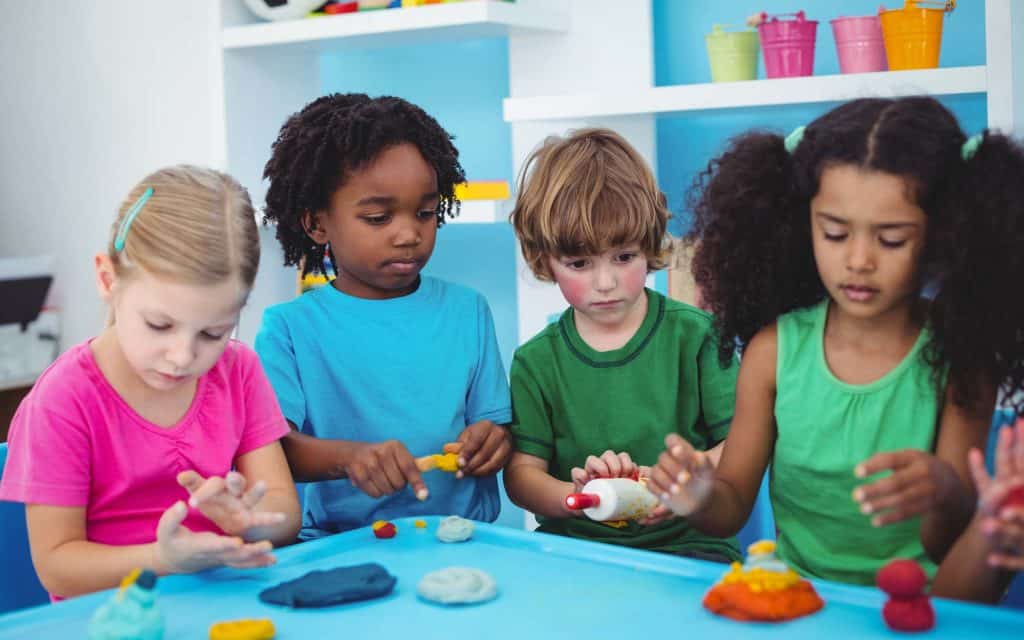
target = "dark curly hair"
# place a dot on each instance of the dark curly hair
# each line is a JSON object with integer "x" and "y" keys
{"x": 320, "y": 146}
{"x": 754, "y": 258}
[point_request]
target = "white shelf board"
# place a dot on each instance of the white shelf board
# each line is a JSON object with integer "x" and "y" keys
{"x": 753, "y": 93}
{"x": 18, "y": 383}
{"x": 482, "y": 211}
{"x": 395, "y": 27}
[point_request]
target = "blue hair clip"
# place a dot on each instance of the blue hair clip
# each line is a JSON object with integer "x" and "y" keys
{"x": 793, "y": 139}
{"x": 129, "y": 218}
{"x": 970, "y": 146}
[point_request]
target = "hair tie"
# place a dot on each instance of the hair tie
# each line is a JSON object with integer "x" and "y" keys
{"x": 126, "y": 223}
{"x": 970, "y": 146}
{"x": 792, "y": 141}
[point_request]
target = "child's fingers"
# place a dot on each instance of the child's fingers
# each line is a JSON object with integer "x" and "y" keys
{"x": 412, "y": 475}
{"x": 359, "y": 475}
{"x": 882, "y": 461}
{"x": 472, "y": 438}
{"x": 209, "y": 488}
{"x": 976, "y": 465}
{"x": 171, "y": 520}
{"x": 629, "y": 467}
{"x": 613, "y": 462}
{"x": 874, "y": 498}
{"x": 190, "y": 481}
{"x": 677, "y": 447}
{"x": 497, "y": 461}
{"x": 1018, "y": 447}
{"x": 887, "y": 486}
{"x": 493, "y": 440}
{"x": 256, "y": 492}
{"x": 1004, "y": 452}
{"x": 597, "y": 467}
{"x": 235, "y": 483}
{"x": 905, "y": 510}
{"x": 660, "y": 482}
{"x": 1006, "y": 561}
{"x": 391, "y": 477}
{"x": 579, "y": 477}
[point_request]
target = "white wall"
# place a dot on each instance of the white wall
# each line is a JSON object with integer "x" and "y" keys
{"x": 95, "y": 95}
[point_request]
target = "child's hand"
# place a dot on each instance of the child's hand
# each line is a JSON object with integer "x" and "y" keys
{"x": 180, "y": 550}
{"x": 683, "y": 477}
{"x": 229, "y": 504}
{"x": 1002, "y": 524}
{"x": 919, "y": 482}
{"x": 608, "y": 465}
{"x": 486, "y": 449}
{"x": 382, "y": 468}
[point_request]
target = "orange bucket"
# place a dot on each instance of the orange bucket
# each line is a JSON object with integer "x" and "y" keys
{"x": 913, "y": 34}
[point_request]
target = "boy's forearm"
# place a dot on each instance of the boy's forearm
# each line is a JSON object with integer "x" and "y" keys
{"x": 965, "y": 573}
{"x": 314, "y": 459}
{"x": 80, "y": 567}
{"x": 537, "y": 491}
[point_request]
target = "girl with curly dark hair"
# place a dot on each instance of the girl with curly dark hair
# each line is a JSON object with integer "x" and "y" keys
{"x": 383, "y": 361}
{"x": 814, "y": 253}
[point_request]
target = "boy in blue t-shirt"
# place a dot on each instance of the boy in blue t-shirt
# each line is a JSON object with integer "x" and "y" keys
{"x": 383, "y": 364}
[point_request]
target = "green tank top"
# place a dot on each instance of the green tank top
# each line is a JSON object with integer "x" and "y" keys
{"x": 825, "y": 428}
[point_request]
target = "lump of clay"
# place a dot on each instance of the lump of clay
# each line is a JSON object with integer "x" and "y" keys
{"x": 454, "y": 529}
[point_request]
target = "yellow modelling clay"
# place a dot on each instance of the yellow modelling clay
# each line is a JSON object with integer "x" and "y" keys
{"x": 447, "y": 462}
{"x": 420, "y": 524}
{"x": 250, "y": 629}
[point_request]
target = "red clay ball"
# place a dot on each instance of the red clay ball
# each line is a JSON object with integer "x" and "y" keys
{"x": 902, "y": 579}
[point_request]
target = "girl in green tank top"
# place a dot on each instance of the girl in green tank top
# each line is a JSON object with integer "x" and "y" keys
{"x": 860, "y": 395}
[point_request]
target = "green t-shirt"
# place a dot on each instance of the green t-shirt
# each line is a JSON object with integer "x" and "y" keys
{"x": 825, "y": 428}
{"x": 570, "y": 401}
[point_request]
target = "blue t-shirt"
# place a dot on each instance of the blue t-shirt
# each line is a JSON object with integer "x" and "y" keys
{"x": 417, "y": 369}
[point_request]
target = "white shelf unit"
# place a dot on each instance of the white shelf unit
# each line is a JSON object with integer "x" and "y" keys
{"x": 753, "y": 93}
{"x": 439, "y": 22}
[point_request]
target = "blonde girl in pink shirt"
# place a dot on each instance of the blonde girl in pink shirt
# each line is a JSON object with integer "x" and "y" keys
{"x": 155, "y": 444}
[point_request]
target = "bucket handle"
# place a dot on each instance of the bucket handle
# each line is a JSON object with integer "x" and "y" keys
{"x": 721, "y": 28}
{"x": 758, "y": 19}
{"x": 909, "y": 5}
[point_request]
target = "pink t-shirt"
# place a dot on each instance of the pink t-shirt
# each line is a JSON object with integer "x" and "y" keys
{"x": 75, "y": 442}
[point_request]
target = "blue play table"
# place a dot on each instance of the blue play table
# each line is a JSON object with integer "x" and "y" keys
{"x": 550, "y": 587}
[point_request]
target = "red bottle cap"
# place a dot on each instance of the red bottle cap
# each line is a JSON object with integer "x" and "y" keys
{"x": 578, "y": 501}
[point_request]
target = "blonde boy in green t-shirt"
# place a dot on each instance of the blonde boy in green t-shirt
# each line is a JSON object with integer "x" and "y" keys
{"x": 595, "y": 394}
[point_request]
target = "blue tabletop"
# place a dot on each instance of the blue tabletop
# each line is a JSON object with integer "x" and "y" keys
{"x": 549, "y": 587}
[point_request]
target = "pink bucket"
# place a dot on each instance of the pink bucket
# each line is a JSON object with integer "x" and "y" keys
{"x": 859, "y": 44}
{"x": 788, "y": 45}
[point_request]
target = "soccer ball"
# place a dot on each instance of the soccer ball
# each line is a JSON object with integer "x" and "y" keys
{"x": 282, "y": 9}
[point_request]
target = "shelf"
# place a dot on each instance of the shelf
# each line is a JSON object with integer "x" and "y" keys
{"x": 396, "y": 27}
{"x": 754, "y": 93}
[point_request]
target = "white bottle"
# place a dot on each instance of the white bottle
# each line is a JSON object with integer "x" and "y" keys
{"x": 604, "y": 499}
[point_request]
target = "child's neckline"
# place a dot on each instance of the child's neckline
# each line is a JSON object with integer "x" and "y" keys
{"x": 624, "y": 354}
{"x": 887, "y": 378}
{"x": 93, "y": 363}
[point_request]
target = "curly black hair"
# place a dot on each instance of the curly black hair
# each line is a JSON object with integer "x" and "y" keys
{"x": 754, "y": 258}
{"x": 320, "y": 146}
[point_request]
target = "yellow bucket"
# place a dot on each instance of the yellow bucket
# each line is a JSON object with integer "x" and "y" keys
{"x": 913, "y": 34}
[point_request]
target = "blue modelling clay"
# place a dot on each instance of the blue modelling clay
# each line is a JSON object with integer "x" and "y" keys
{"x": 333, "y": 586}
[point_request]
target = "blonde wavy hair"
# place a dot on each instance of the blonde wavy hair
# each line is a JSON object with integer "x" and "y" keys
{"x": 198, "y": 227}
{"x": 584, "y": 194}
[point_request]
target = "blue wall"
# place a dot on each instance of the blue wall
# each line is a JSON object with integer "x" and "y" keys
{"x": 462, "y": 84}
